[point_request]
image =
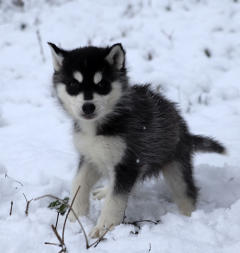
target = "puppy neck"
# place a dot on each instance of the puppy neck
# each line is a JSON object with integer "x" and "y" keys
{"x": 85, "y": 127}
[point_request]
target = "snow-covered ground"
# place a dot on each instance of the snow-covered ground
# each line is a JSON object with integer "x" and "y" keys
{"x": 191, "y": 48}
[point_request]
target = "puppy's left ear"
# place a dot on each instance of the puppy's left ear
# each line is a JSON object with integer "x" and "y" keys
{"x": 57, "y": 56}
{"x": 116, "y": 56}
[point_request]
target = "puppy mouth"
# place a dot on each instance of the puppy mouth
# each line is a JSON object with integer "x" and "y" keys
{"x": 88, "y": 116}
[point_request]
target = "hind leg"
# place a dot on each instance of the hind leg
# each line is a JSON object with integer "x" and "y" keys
{"x": 178, "y": 175}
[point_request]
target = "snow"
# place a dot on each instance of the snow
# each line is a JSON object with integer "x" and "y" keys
{"x": 167, "y": 44}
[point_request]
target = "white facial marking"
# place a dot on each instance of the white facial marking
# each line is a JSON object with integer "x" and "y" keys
{"x": 72, "y": 104}
{"x": 97, "y": 77}
{"x": 78, "y": 76}
{"x": 104, "y": 104}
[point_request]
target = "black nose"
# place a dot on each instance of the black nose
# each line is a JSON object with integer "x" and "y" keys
{"x": 88, "y": 108}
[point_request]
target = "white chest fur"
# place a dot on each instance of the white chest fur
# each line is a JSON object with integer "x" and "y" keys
{"x": 103, "y": 151}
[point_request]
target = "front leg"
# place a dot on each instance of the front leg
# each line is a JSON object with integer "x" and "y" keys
{"x": 86, "y": 177}
{"x": 100, "y": 193}
{"x": 115, "y": 203}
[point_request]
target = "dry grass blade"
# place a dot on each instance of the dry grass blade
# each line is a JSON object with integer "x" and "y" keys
{"x": 40, "y": 44}
{"x": 150, "y": 247}
{"x": 57, "y": 220}
{"x": 11, "y": 207}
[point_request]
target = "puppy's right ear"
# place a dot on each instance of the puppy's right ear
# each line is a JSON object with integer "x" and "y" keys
{"x": 116, "y": 56}
{"x": 57, "y": 56}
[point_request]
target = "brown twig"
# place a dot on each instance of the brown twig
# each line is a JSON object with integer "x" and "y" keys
{"x": 135, "y": 223}
{"x": 52, "y": 243}
{"x": 69, "y": 210}
{"x": 10, "y": 212}
{"x": 57, "y": 235}
{"x": 28, "y": 203}
{"x": 62, "y": 250}
{"x": 84, "y": 232}
{"x": 48, "y": 196}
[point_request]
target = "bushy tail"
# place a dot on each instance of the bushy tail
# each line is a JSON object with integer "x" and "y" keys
{"x": 206, "y": 144}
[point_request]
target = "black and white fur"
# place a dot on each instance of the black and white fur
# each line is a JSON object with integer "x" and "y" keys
{"x": 124, "y": 132}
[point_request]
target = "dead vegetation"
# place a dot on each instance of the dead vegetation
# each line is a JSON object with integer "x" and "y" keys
{"x": 61, "y": 237}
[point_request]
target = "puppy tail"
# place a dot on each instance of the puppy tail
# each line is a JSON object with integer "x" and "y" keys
{"x": 206, "y": 144}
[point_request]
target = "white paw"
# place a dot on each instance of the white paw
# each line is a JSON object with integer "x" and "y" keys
{"x": 100, "y": 193}
{"x": 111, "y": 215}
{"x": 100, "y": 230}
{"x": 106, "y": 221}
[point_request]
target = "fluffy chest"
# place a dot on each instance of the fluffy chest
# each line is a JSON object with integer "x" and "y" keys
{"x": 103, "y": 151}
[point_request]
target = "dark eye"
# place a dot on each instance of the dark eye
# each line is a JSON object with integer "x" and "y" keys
{"x": 73, "y": 84}
{"x": 73, "y": 88}
{"x": 103, "y": 87}
{"x": 100, "y": 84}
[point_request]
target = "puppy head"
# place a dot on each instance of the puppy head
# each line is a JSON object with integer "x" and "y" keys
{"x": 89, "y": 81}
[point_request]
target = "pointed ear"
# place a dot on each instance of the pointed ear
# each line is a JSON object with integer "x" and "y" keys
{"x": 57, "y": 56}
{"x": 116, "y": 56}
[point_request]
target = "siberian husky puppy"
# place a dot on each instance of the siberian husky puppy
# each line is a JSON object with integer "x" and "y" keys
{"x": 124, "y": 132}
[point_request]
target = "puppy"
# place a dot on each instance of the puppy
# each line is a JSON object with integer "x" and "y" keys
{"x": 124, "y": 132}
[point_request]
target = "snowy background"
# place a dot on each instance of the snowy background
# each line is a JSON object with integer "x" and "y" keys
{"x": 189, "y": 50}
